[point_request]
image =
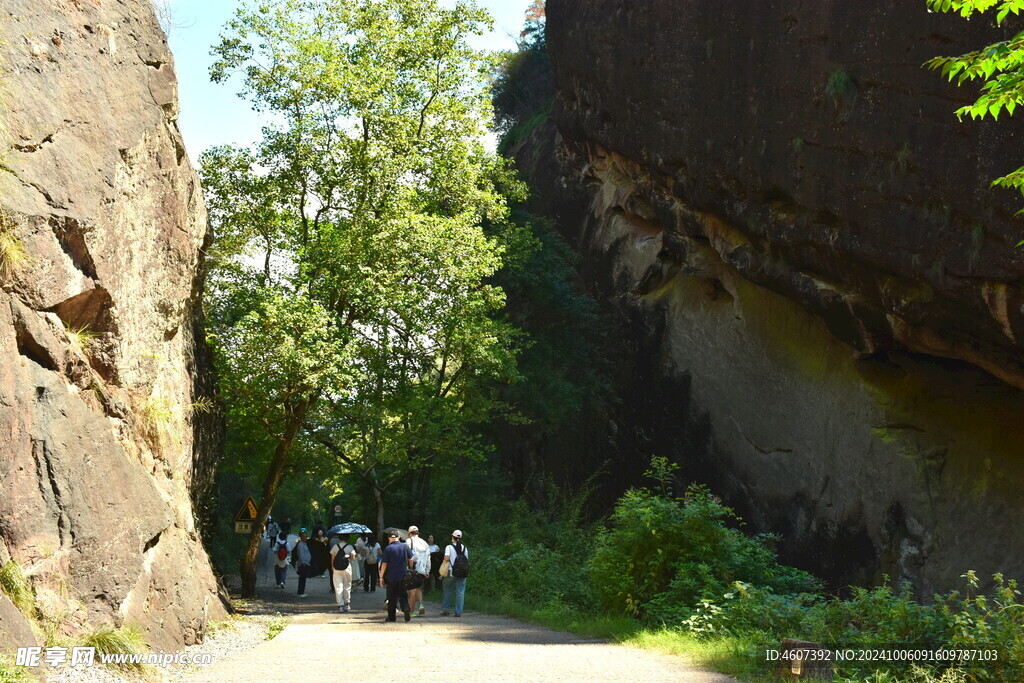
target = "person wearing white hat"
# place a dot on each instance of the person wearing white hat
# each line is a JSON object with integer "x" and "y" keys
{"x": 456, "y": 562}
{"x": 420, "y": 550}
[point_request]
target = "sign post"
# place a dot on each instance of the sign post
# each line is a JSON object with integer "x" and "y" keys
{"x": 246, "y": 516}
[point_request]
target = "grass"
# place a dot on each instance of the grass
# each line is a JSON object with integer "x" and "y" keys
{"x": 522, "y": 130}
{"x": 275, "y": 626}
{"x": 124, "y": 640}
{"x": 159, "y": 419}
{"x": 12, "y": 252}
{"x": 215, "y": 628}
{"x": 14, "y": 582}
{"x": 11, "y": 673}
{"x": 82, "y": 338}
{"x": 732, "y": 655}
{"x": 201, "y": 406}
{"x": 840, "y": 84}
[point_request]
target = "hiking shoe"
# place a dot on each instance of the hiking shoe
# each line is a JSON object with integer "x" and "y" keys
{"x": 423, "y": 610}
{"x": 408, "y": 616}
{"x": 445, "y": 613}
{"x": 344, "y": 608}
{"x": 341, "y": 608}
{"x": 457, "y": 614}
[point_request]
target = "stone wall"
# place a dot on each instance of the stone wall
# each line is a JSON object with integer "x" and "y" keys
{"x": 98, "y": 342}
{"x": 783, "y": 208}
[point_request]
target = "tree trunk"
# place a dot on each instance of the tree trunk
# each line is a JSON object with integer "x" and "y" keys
{"x": 424, "y": 496}
{"x": 270, "y": 485}
{"x": 378, "y": 498}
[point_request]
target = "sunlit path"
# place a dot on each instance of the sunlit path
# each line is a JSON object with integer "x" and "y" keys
{"x": 321, "y": 644}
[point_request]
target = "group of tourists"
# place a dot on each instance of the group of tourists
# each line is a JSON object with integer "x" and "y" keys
{"x": 404, "y": 569}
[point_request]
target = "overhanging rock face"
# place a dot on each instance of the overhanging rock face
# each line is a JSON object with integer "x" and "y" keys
{"x": 98, "y": 349}
{"x": 785, "y": 198}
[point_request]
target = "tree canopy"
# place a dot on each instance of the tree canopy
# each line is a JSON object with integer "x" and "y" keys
{"x": 351, "y": 301}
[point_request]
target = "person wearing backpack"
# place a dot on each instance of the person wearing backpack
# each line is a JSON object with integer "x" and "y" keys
{"x": 280, "y": 559}
{"x": 342, "y": 557}
{"x": 302, "y": 558}
{"x": 455, "y": 569}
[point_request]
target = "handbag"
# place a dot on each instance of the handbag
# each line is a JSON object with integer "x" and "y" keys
{"x": 443, "y": 571}
{"x": 412, "y": 580}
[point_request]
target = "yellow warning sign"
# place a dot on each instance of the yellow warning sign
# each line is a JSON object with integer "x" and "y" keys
{"x": 247, "y": 513}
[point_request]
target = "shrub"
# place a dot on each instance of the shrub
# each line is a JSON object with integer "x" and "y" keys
{"x": 663, "y": 556}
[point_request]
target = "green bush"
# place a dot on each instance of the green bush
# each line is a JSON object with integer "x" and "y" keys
{"x": 663, "y": 556}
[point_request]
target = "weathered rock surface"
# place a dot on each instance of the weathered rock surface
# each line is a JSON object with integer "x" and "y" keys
{"x": 98, "y": 347}
{"x": 822, "y": 290}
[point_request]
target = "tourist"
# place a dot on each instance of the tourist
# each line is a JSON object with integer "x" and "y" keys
{"x": 456, "y": 557}
{"x": 321, "y": 555}
{"x": 335, "y": 540}
{"x": 360, "y": 559}
{"x": 370, "y": 575}
{"x": 273, "y": 529}
{"x": 302, "y": 562}
{"x": 420, "y": 551}
{"x": 395, "y": 562}
{"x": 433, "y": 580}
{"x": 342, "y": 557}
{"x": 357, "y": 565}
{"x": 281, "y": 559}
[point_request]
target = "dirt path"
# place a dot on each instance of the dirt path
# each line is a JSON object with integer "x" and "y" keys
{"x": 320, "y": 644}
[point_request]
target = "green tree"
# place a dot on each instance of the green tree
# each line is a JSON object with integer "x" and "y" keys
{"x": 1000, "y": 66}
{"x": 353, "y": 226}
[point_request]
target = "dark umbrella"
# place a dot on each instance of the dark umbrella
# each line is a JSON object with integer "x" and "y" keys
{"x": 348, "y": 528}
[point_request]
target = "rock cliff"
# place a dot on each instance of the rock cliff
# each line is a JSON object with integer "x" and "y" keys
{"x": 98, "y": 326}
{"x": 821, "y": 288}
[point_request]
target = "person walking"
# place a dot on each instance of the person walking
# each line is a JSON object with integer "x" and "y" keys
{"x": 420, "y": 551}
{"x": 357, "y": 564}
{"x": 434, "y": 580}
{"x": 456, "y": 557}
{"x": 395, "y": 562}
{"x": 342, "y": 557}
{"x": 280, "y": 559}
{"x": 371, "y": 577}
{"x": 334, "y": 541}
{"x": 302, "y": 562}
{"x": 321, "y": 556}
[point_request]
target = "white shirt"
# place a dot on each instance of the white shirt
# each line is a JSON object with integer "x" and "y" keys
{"x": 420, "y": 553}
{"x": 351, "y": 556}
{"x": 371, "y": 553}
{"x": 449, "y": 553}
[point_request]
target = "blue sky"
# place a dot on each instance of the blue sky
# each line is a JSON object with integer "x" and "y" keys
{"x": 213, "y": 114}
